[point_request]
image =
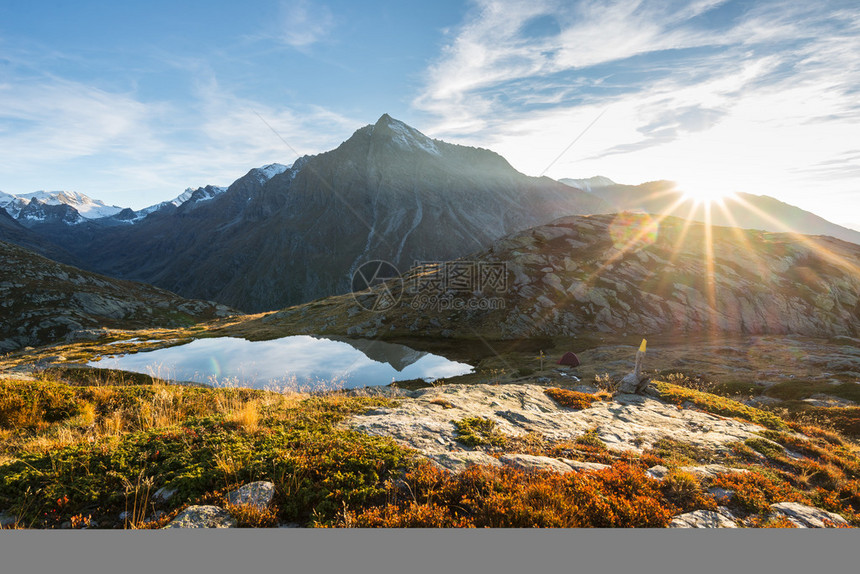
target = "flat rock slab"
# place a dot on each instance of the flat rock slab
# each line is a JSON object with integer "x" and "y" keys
{"x": 203, "y": 517}
{"x": 532, "y": 462}
{"x": 804, "y": 516}
{"x": 259, "y": 494}
{"x": 628, "y": 422}
{"x": 721, "y": 518}
{"x": 584, "y": 466}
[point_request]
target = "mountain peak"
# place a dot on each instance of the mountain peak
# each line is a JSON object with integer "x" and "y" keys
{"x": 384, "y": 120}
{"x": 404, "y": 135}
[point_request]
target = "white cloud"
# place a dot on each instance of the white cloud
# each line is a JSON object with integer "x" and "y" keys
{"x": 304, "y": 23}
{"x": 764, "y": 104}
{"x": 58, "y": 134}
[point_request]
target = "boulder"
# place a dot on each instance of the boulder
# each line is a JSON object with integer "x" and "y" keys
{"x": 258, "y": 494}
{"x": 658, "y": 472}
{"x": 721, "y": 518}
{"x": 163, "y": 494}
{"x": 203, "y": 517}
{"x": 804, "y": 516}
{"x": 533, "y": 462}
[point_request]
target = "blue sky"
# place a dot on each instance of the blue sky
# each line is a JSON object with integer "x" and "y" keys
{"x": 131, "y": 102}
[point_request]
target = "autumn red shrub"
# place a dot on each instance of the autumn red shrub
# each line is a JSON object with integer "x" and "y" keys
{"x": 620, "y": 496}
{"x": 571, "y": 399}
{"x": 755, "y": 492}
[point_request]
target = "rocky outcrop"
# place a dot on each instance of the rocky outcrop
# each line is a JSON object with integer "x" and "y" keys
{"x": 804, "y": 516}
{"x": 203, "y": 517}
{"x": 42, "y": 301}
{"x": 258, "y": 494}
{"x": 6, "y": 520}
{"x": 628, "y": 422}
{"x": 623, "y": 274}
{"x": 720, "y": 518}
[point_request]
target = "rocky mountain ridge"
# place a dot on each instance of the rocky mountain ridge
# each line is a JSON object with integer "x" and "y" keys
{"x": 621, "y": 274}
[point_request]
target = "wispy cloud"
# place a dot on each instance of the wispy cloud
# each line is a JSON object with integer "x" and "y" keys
{"x": 115, "y": 142}
{"x": 304, "y": 23}
{"x": 751, "y": 94}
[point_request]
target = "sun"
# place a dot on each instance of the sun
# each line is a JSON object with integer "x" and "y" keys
{"x": 704, "y": 192}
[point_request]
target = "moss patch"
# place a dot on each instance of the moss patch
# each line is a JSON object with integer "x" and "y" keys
{"x": 475, "y": 431}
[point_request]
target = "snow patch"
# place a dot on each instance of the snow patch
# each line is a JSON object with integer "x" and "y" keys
{"x": 267, "y": 172}
{"x": 273, "y": 169}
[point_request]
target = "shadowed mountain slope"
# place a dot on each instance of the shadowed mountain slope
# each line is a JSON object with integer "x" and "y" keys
{"x": 42, "y": 301}
{"x": 388, "y": 192}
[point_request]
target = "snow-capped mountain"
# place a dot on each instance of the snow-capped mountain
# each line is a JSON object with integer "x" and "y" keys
{"x": 190, "y": 196}
{"x": 72, "y": 208}
{"x": 84, "y": 205}
{"x": 55, "y": 207}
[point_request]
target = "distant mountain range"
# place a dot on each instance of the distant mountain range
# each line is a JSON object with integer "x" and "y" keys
{"x": 739, "y": 210}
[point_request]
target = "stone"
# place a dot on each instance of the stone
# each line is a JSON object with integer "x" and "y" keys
{"x": 203, "y": 517}
{"x": 627, "y": 422}
{"x": 533, "y": 462}
{"x": 658, "y": 472}
{"x": 163, "y": 494}
{"x": 721, "y": 518}
{"x": 804, "y": 516}
{"x": 258, "y": 494}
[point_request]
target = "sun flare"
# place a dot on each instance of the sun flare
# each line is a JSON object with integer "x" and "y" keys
{"x": 704, "y": 192}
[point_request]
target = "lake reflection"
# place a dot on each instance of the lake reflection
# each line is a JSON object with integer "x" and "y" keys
{"x": 308, "y": 362}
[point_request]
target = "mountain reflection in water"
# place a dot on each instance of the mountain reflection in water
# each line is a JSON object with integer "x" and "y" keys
{"x": 309, "y": 363}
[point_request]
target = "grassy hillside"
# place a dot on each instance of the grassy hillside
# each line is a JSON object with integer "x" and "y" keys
{"x": 77, "y": 451}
